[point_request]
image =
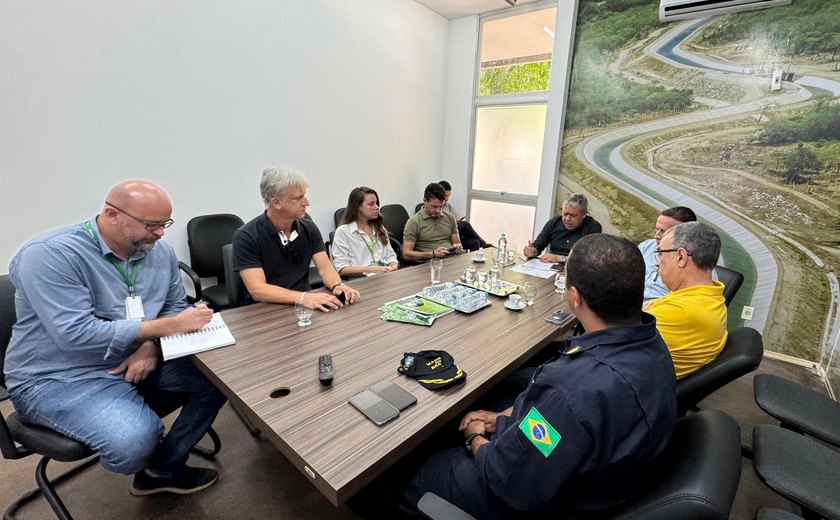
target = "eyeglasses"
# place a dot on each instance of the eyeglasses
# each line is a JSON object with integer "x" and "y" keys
{"x": 150, "y": 225}
{"x": 659, "y": 252}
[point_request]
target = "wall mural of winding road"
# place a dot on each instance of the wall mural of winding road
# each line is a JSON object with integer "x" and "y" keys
{"x": 696, "y": 158}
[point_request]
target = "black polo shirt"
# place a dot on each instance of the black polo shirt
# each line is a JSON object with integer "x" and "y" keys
{"x": 561, "y": 240}
{"x": 258, "y": 244}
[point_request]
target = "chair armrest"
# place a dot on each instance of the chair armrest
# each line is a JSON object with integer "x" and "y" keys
{"x": 196, "y": 281}
{"x": 437, "y": 508}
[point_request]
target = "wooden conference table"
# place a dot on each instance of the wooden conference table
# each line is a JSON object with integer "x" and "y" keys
{"x": 271, "y": 372}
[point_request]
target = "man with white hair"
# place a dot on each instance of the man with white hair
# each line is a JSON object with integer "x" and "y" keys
{"x": 272, "y": 252}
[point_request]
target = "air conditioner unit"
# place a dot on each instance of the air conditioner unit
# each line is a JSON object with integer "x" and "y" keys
{"x": 670, "y": 10}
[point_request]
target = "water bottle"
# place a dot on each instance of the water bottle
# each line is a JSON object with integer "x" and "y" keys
{"x": 501, "y": 252}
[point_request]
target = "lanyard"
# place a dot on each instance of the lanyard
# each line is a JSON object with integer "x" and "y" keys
{"x": 371, "y": 247}
{"x": 130, "y": 278}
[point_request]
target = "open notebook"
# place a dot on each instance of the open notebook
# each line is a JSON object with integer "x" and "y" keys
{"x": 213, "y": 335}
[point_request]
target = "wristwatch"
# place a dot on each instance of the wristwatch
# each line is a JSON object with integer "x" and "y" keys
{"x": 336, "y": 285}
{"x": 469, "y": 440}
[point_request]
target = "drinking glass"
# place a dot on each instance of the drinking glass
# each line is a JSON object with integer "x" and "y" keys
{"x": 304, "y": 313}
{"x": 481, "y": 275}
{"x": 511, "y": 254}
{"x": 469, "y": 275}
{"x": 560, "y": 283}
{"x": 436, "y": 265}
{"x": 494, "y": 273}
{"x": 529, "y": 292}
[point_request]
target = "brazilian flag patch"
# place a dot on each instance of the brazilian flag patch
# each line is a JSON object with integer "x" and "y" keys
{"x": 539, "y": 432}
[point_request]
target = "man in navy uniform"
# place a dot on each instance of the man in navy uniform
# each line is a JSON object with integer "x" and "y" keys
{"x": 582, "y": 434}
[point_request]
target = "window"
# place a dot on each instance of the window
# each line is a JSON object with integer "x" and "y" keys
{"x": 514, "y": 67}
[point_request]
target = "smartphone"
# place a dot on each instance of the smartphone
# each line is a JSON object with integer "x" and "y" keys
{"x": 341, "y": 297}
{"x": 558, "y": 317}
{"x": 452, "y": 250}
{"x": 393, "y": 393}
{"x": 374, "y": 407}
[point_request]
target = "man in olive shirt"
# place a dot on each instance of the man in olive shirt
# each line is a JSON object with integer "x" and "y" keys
{"x": 561, "y": 232}
{"x": 431, "y": 232}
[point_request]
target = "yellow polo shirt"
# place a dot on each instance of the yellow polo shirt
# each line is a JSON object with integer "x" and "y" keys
{"x": 692, "y": 322}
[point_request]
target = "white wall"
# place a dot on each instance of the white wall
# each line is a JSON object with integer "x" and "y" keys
{"x": 201, "y": 95}
{"x": 460, "y": 86}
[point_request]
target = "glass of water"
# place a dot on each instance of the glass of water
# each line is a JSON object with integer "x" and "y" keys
{"x": 304, "y": 314}
{"x": 436, "y": 266}
{"x": 481, "y": 276}
{"x": 529, "y": 291}
{"x": 511, "y": 254}
{"x": 494, "y": 273}
{"x": 469, "y": 274}
{"x": 560, "y": 283}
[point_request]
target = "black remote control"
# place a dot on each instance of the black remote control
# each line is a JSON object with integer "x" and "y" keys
{"x": 325, "y": 369}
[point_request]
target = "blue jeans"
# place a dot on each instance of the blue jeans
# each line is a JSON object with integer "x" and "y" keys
{"x": 108, "y": 414}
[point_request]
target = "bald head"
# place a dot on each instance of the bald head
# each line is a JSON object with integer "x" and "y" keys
{"x": 135, "y": 215}
{"x": 129, "y": 194}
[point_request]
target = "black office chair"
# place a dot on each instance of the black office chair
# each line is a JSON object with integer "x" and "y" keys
{"x": 206, "y": 234}
{"x": 799, "y": 468}
{"x": 394, "y": 217}
{"x": 19, "y": 439}
{"x": 799, "y": 408}
{"x": 732, "y": 281}
{"x": 233, "y": 282}
{"x": 418, "y": 207}
{"x": 315, "y": 280}
{"x": 337, "y": 216}
{"x": 740, "y": 355}
{"x": 695, "y": 478}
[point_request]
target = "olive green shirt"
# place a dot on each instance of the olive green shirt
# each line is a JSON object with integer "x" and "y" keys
{"x": 428, "y": 232}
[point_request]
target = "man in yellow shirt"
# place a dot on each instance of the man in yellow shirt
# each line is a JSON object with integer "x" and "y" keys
{"x": 692, "y": 317}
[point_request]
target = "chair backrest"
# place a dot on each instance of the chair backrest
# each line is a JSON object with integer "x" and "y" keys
{"x": 206, "y": 234}
{"x": 697, "y": 475}
{"x": 732, "y": 281}
{"x": 7, "y": 320}
{"x": 394, "y": 217}
{"x": 418, "y": 207}
{"x": 234, "y": 286}
{"x": 338, "y": 214}
{"x": 741, "y": 355}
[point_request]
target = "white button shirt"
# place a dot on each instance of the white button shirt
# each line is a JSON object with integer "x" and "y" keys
{"x": 351, "y": 247}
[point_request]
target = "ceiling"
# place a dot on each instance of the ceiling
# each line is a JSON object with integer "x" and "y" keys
{"x": 458, "y": 8}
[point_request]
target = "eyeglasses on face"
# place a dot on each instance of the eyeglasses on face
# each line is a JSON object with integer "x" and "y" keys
{"x": 659, "y": 252}
{"x": 150, "y": 225}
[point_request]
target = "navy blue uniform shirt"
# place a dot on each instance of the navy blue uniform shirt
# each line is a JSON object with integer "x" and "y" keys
{"x": 581, "y": 435}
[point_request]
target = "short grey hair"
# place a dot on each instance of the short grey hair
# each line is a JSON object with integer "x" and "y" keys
{"x": 699, "y": 239}
{"x": 579, "y": 200}
{"x": 276, "y": 180}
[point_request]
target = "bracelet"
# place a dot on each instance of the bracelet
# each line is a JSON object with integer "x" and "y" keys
{"x": 433, "y": 253}
{"x": 336, "y": 285}
{"x": 469, "y": 440}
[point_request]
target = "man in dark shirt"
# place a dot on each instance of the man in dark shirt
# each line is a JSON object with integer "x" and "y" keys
{"x": 582, "y": 434}
{"x": 272, "y": 252}
{"x": 562, "y": 231}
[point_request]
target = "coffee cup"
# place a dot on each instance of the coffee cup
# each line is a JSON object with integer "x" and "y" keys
{"x": 515, "y": 300}
{"x": 479, "y": 255}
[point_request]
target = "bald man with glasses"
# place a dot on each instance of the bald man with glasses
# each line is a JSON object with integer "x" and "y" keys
{"x": 92, "y": 301}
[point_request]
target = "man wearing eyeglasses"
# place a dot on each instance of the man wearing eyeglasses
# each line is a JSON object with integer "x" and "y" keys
{"x": 272, "y": 252}
{"x": 92, "y": 300}
{"x": 692, "y": 317}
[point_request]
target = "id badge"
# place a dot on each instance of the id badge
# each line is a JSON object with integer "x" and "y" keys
{"x": 134, "y": 308}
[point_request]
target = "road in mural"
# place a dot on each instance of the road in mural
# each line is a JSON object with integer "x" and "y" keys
{"x": 737, "y": 117}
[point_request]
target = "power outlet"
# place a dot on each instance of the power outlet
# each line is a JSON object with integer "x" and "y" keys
{"x": 747, "y": 313}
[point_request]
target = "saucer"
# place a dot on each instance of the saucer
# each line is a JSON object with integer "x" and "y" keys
{"x": 479, "y": 260}
{"x": 522, "y": 305}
